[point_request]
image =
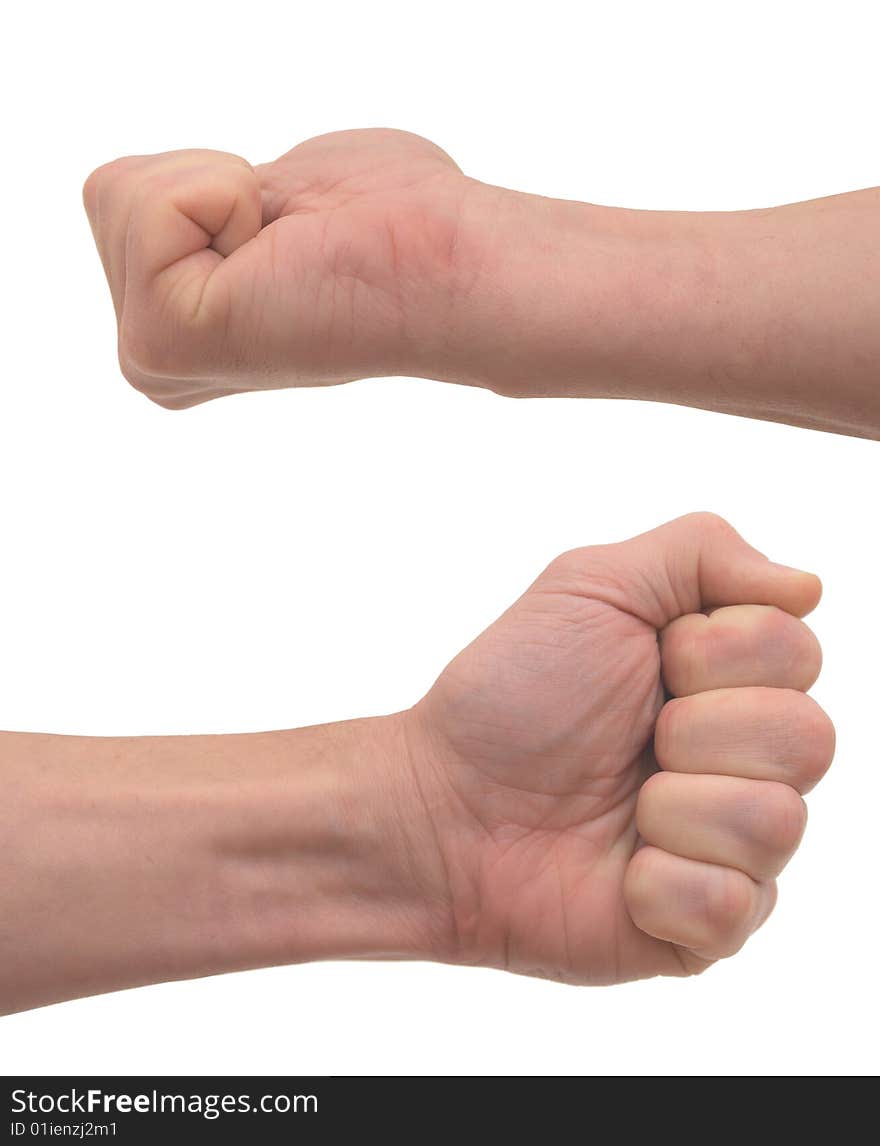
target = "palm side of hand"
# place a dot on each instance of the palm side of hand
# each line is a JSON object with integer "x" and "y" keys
{"x": 541, "y": 737}
{"x": 551, "y": 715}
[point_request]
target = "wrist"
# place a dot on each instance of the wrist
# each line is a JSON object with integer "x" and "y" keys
{"x": 553, "y": 297}
{"x": 335, "y": 859}
{"x": 533, "y": 296}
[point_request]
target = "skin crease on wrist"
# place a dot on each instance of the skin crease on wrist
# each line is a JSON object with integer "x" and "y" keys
{"x": 369, "y": 253}
{"x": 544, "y": 809}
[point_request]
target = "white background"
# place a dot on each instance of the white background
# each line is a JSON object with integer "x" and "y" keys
{"x": 289, "y": 558}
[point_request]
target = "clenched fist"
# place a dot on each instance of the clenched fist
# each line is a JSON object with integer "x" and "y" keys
{"x": 368, "y": 253}
{"x": 603, "y": 786}
{"x": 338, "y": 261}
{"x": 613, "y": 771}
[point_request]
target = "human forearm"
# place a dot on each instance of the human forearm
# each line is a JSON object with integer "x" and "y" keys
{"x": 369, "y": 253}
{"x": 138, "y": 860}
{"x": 496, "y": 823}
{"x": 768, "y": 313}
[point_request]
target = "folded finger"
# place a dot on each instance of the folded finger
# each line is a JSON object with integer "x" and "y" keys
{"x": 706, "y": 909}
{"x": 754, "y": 826}
{"x": 738, "y": 646}
{"x": 758, "y": 733}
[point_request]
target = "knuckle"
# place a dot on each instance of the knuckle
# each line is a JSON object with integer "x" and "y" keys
{"x": 567, "y": 566}
{"x": 107, "y": 174}
{"x": 129, "y": 373}
{"x": 143, "y": 351}
{"x": 168, "y": 403}
{"x": 90, "y": 188}
{"x": 797, "y": 646}
{"x": 657, "y": 787}
{"x": 768, "y": 897}
{"x": 819, "y": 738}
{"x": 693, "y": 964}
{"x": 806, "y": 638}
{"x": 710, "y": 523}
{"x": 777, "y": 621}
{"x": 637, "y": 882}
{"x": 152, "y": 186}
{"x": 765, "y": 626}
{"x": 669, "y": 731}
{"x": 150, "y": 387}
{"x": 777, "y": 625}
{"x": 102, "y": 173}
{"x": 136, "y": 378}
{"x": 808, "y": 741}
{"x": 812, "y": 653}
{"x": 783, "y": 818}
{"x": 160, "y": 340}
{"x": 652, "y": 796}
{"x": 728, "y": 908}
{"x": 683, "y": 651}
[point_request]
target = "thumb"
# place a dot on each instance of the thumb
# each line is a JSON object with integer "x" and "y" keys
{"x": 163, "y": 222}
{"x": 192, "y": 201}
{"x": 694, "y": 563}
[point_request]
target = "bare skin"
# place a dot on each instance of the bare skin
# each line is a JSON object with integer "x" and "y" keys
{"x": 369, "y": 253}
{"x": 602, "y": 787}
